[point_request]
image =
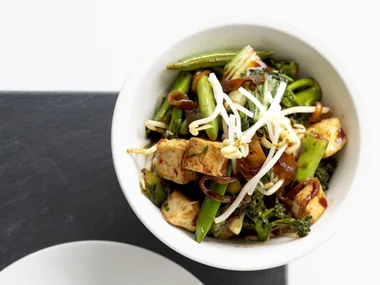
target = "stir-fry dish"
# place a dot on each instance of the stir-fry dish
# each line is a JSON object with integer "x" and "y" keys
{"x": 241, "y": 146}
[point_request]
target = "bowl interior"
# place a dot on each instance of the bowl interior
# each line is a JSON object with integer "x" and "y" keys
{"x": 149, "y": 81}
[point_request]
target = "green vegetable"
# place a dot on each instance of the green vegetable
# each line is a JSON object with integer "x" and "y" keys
{"x": 304, "y": 92}
{"x": 288, "y": 68}
{"x": 240, "y": 63}
{"x": 182, "y": 84}
{"x": 300, "y": 226}
{"x": 259, "y": 215}
{"x": 325, "y": 170}
{"x": 209, "y": 209}
{"x": 184, "y": 130}
{"x": 246, "y": 121}
{"x": 258, "y": 93}
{"x": 312, "y": 150}
{"x": 263, "y": 220}
{"x": 166, "y": 206}
{"x": 204, "y": 150}
{"x": 175, "y": 123}
{"x": 270, "y": 85}
{"x": 221, "y": 230}
{"x": 154, "y": 190}
{"x": 218, "y": 70}
{"x": 210, "y": 59}
{"x": 207, "y": 105}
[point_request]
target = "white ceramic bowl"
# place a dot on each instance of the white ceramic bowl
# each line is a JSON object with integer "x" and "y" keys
{"x": 150, "y": 79}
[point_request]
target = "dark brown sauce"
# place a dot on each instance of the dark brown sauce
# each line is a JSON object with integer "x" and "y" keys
{"x": 341, "y": 135}
{"x": 316, "y": 185}
{"x": 287, "y": 198}
{"x": 323, "y": 202}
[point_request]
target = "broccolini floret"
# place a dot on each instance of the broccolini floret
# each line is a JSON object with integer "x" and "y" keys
{"x": 325, "y": 171}
{"x": 264, "y": 221}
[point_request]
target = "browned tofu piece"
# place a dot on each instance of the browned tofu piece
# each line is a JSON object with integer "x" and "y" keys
{"x": 205, "y": 157}
{"x": 330, "y": 129}
{"x": 315, "y": 208}
{"x": 169, "y": 161}
{"x": 181, "y": 211}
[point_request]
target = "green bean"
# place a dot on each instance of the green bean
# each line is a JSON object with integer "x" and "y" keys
{"x": 209, "y": 209}
{"x": 207, "y": 105}
{"x": 210, "y": 59}
{"x": 182, "y": 84}
{"x": 175, "y": 123}
{"x": 155, "y": 191}
{"x": 312, "y": 150}
{"x": 184, "y": 129}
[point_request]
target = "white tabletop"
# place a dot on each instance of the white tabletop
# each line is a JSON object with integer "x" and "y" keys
{"x": 89, "y": 46}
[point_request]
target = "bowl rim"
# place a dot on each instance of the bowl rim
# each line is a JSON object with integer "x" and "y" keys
{"x": 333, "y": 225}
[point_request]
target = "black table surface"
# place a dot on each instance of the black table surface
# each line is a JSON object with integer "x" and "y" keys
{"x": 57, "y": 183}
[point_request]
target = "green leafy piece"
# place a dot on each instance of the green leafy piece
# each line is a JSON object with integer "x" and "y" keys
{"x": 166, "y": 206}
{"x": 204, "y": 150}
{"x": 246, "y": 121}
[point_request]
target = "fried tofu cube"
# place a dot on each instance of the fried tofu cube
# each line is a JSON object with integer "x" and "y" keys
{"x": 180, "y": 211}
{"x": 168, "y": 162}
{"x": 330, "y": 129}
{"x": 315, "y": 208}
{"x": 205, "y": 157}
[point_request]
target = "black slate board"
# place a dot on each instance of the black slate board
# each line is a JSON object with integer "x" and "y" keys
{"x": 57, "y": 183}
